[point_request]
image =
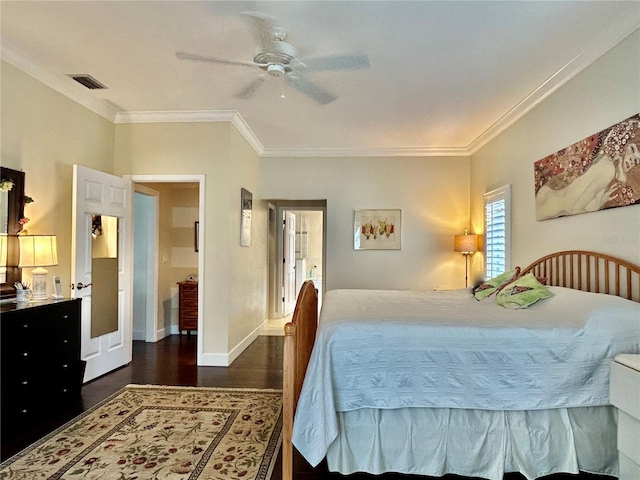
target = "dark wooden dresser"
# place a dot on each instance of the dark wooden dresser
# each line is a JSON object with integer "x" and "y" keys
{"x": 41, "y": 368}
{"x": 188, "y": 316}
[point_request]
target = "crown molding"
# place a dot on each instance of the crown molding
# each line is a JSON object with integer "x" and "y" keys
{"x": 236, "y": 119}
{"x": 60, "y": 83}
{"x": 367, "y": 152}
{"x": 554, "y": 82}
{"x": 195, "y": 116}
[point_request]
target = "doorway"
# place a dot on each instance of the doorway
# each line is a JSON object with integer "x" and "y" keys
{"x": 296, "y": 249}
{"x": 178, "y": 256}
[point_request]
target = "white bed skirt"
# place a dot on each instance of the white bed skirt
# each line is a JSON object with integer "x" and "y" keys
{"x": 476, "y": 443}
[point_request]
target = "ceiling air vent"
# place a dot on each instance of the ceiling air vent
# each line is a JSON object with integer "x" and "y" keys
{"x": 88, "y": 81}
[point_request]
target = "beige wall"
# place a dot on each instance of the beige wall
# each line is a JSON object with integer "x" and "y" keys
{"x": 44, "y": 134}
{"x": 433, "y": 194}
{"x": 234, "y": 276}
{"x": 603, "y": 94}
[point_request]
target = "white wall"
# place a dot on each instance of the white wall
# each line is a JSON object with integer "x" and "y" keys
{"x": 603, "y": 94}
{"x": 433, "y": 194}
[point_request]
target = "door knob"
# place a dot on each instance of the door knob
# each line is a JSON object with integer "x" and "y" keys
{"x": 81, "y": 285}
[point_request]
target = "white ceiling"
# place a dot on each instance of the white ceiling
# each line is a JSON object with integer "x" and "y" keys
{"x": 444, "y": 77}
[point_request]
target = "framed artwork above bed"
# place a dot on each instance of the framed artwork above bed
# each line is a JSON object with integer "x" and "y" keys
{"x": 601, "y": 171}
{"x": 377, "y": 229}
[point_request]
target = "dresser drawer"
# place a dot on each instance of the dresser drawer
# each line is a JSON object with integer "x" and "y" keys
{"x": 629, "y": 436}
{"x": 625, "y": 389}
{"x": 629, "y": 470}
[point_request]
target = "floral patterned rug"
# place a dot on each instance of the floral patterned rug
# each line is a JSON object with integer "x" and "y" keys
{"x": 153, "y": 432}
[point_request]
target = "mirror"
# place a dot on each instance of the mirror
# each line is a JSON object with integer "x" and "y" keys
{"x": 11, "y": 211}
{"x": 104, "y": 275}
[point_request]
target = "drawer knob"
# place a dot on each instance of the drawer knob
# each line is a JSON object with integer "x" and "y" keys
{"x": 25, "y": 382}
{"x": 24, "y": 410}
{"x": 65, "y": 341}
{"x": 64, "y": 390}
{"x": 25, "y": 354}
{"x": 64, "y": 365}
{"x": 26, "y": 325}
{"x": 65, "y": 316}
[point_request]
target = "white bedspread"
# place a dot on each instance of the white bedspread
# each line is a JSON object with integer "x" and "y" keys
{"x": 394, "y": 349}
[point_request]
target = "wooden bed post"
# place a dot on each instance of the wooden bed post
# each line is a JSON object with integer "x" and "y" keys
{"x": 299, "y": 336}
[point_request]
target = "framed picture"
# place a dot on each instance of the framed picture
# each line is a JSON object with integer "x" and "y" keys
{"x": 245, "y": 219}
{"x": 598, "y": 172}
{"x": 377, "y": 229}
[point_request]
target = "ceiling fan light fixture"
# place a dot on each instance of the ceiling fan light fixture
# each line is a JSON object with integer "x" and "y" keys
{"x": 275, "y": 69}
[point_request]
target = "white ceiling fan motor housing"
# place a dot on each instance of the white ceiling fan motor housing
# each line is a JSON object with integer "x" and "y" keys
{"x": 277, "y": 61}
{"x": 275, "y": 69}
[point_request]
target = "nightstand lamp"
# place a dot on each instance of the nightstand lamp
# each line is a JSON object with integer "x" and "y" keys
{"x": 467, "y": 245}
{"x": 38, "y": 251}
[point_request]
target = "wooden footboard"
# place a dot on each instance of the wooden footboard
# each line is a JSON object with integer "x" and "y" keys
{"x": 589, "y": 271}
{"x": 299, "y": 335}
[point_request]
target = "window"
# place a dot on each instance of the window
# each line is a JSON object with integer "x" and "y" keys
{"x": 497, "y": 227}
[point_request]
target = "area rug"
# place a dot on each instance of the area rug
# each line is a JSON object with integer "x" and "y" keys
{"x": 153, "y": 432}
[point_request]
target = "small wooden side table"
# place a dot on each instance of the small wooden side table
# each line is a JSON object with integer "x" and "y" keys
{"x": 188, "y": 307}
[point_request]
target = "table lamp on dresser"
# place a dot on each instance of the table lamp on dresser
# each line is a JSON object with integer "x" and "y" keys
{"x": 38, "y": 251}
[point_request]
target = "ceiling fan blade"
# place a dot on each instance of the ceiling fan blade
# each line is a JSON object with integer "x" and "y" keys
{"x": 264, "y": 29}
{"x": 248, "y": 91}
{"x": 309, "y": 89}
{"x": 338, "y": 62}
{"x": 223, "y": 61}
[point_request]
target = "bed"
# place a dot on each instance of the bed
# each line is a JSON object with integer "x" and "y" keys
{"x": 469, "y": 388}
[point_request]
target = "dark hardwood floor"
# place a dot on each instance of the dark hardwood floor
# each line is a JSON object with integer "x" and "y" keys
{"x": 172, "y": 361}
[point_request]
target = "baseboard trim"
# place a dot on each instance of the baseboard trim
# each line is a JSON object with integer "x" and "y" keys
{"x": 226, "y": 359}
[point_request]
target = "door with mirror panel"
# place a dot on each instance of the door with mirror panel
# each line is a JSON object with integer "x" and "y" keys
{"x": 102, "y": 267}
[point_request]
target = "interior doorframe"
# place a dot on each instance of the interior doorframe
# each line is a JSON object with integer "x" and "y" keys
{"x": 200, "y": 180}
{"x": 276, "y": 305}
{"x": 151, "y": 297}
{"x": 272, "y": 264}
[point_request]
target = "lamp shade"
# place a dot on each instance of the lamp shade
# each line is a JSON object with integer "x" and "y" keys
{"x": 38, "y": 250}
{"x": 466, "y": 243}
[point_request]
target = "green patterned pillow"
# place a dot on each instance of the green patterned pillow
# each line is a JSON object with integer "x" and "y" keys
{"x": 490, "y": 286}
{"x": 522, "y": 292}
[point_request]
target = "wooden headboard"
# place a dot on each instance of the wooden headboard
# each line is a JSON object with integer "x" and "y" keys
{"x": 589, "y": 271}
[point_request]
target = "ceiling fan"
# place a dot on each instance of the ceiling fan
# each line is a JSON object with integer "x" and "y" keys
{"x": 278, "y": 58}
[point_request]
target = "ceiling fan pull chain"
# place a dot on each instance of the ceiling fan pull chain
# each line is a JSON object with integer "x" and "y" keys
{"x": 282, "y": 88}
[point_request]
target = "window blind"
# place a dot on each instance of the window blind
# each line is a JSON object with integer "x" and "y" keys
{"x": 497, "y": 231}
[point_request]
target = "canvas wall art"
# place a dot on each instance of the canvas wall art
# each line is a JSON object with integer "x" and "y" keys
{"x": 377, "y": 229}
{"x": 601, "y": 171}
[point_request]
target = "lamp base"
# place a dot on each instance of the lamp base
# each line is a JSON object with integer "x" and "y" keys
{"x": 39, "y": 284}
{"x": 466, "y": 268}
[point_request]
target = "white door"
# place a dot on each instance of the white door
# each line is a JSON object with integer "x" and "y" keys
{"x": 289, "y": 264}
{"x": 98, "y": 193}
